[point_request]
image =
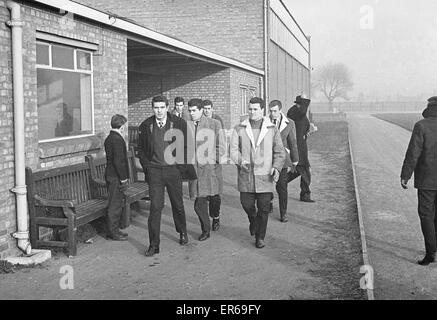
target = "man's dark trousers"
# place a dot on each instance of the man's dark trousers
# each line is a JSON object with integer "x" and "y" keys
{"x": 305, "y": 179}
{"x": 282, "y": 189}
{"x": 214, "y": 205}
{"x": 160, "y": 178}
{"x": 428, "y": 221}
{"x": 259, "y": 217}
{"x": 201, "y": 209}
{"x": 115, "y": 205}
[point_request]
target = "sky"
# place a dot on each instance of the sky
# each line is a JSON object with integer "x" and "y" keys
{"x": 395, "y": 56}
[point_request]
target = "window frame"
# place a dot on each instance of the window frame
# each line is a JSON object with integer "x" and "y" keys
{"x": 75, "y": 70}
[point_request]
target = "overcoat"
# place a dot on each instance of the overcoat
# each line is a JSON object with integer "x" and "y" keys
{"x": 205, "y": 154}
{"x": 302, "y": 123}
{"x": 421, "y": 155}
{"x": 288, "y": 136}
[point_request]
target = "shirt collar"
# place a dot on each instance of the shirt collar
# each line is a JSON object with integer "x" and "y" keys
{"x": 163, "y": 121}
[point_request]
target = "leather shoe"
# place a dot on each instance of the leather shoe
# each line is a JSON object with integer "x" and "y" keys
{"x": 426, "y": 260}
{"x": 124, "y": 234}
{"x": 151, "y": 251}
{"x": 259, "y": 243}
{"x": 215, "y": 224}
{"x": 204, "y": 236}
{"x": 117, "y": 237}
{"x": 307, "y": 199}
{"x": 183, "y": 240}
{"x": 284, "y": 219}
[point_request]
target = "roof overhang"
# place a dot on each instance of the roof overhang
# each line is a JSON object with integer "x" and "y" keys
{"x": 140, "y": 33}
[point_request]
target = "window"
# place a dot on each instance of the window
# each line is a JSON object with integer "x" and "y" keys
{"x": 246, "y": 93}
{"x": 64, "y": 83}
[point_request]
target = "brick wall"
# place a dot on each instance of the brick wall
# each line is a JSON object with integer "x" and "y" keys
{"x": 227, "y": 27}
{"x": 110, "y": 97}
{"x": 239, "y": 78}
{"x": 205, "y": 81}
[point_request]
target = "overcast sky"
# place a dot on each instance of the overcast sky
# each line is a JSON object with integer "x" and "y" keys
{"x": 397, "y": 56}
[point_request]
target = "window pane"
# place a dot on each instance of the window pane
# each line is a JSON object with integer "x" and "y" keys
{"x": 63, "y": 57}
{"x": 42, "y": 54}
{"x": 83, "y": 60}
{"x": 64, "y": 104}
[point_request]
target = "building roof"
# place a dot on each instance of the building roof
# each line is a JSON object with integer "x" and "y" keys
{"x": 84, "y": 9}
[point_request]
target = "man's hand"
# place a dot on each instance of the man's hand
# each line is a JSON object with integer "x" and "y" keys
{"x": 404, "y": 184}
{"x": 275, "y": 174}
{"x": 245, "y": 166}
{"x": 124, "y": 185}
{"x": 291, "y": 169}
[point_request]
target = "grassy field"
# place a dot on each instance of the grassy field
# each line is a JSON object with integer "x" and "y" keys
{"x": 404, "y": 120}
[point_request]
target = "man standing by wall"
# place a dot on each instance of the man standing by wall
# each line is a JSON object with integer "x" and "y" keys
{"x": 162, "y": 170}
{"x": 116, "y": 176}
{"x": 298, "y": 113}
{"x": 421, "y": 158}
{"x": 257, "y": 150}
{"x": 208, "y": 145}
{"x": 288, "y": 135}
{"x": 215, "y": 201}
{"x": 179, "y": 109}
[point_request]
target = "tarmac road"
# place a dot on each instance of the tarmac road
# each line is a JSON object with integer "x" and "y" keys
{"x": 391, "y": 222}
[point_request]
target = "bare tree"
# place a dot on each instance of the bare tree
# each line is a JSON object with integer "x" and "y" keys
{"x": 334, "y": 80}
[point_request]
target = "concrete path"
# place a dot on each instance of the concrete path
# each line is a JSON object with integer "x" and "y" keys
{"x": 316, "y": 255}
{"x": 391, "y": 223}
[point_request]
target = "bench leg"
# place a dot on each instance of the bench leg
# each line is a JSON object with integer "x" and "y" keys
{"x": 72, "y": 241}
{"x": 126, "y": 215}
{"x": 34, "y": 233}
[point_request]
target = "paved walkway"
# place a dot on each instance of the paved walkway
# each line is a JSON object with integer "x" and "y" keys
{"x": 316, "y": 255}
{"x": 391, "y": 222}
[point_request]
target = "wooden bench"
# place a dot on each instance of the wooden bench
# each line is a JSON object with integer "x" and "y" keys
{"x": 137, "y": 189}
{"x": 62, "y": 198}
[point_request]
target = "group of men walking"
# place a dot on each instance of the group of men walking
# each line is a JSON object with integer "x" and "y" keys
{"x": 190, "y": 145}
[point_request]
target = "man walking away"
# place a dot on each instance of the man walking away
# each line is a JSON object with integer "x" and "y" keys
{"x": 421, "y": 158}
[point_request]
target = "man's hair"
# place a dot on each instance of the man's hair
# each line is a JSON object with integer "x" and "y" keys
{"x": 255, "y": 100}
{"x": 178, "y": 99}
{"x": 160, "y": 99}
{"x": 275, "y": 103}
{"x": 196, "y": 103}
{"x": 117, "y": 121}
{"x": 207, "y": 103}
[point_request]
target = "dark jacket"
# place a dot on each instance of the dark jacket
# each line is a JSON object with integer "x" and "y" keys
{"x": 145, "y": 145}
{"x": 116, "y": 157}
{"x": 299, "y": 116}
{"x": 421, "y": 155}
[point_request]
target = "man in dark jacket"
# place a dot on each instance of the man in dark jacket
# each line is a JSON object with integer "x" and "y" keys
{"x": 298, "y": 113}
{"x": 159, "y": 134}
{"x": 116, "y": 175}
{"x": 288, "y": 135}
{"x": 421, "y": 158}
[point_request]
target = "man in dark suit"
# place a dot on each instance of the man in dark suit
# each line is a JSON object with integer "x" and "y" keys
{"x": 116, "y": 176}
{"x": 158, "y": 135}
{"x": 288, "y": 135}
{"x": 298, "y": 113}
{"x": 421, "y": 158}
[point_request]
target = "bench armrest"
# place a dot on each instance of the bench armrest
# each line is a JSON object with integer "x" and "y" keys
{"x": 66, "y": 203}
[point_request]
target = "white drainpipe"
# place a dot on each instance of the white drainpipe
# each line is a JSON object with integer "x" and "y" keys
{"x": 20, "y": 189}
